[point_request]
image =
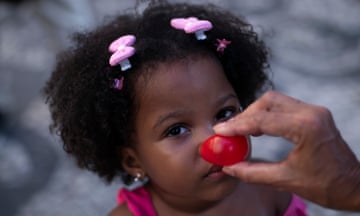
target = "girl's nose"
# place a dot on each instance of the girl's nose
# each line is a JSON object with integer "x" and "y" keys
{"x": 203, "y": 134}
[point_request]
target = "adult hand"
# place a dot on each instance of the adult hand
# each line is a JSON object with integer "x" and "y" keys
{"x": 321, "y": 167}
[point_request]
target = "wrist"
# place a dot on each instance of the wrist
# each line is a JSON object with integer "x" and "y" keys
{"x": 356, "y": 189}
{"x": 345, "y": 193}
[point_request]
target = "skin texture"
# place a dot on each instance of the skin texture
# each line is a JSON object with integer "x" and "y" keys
{"x": 178, "y": 108}
{"x": 321, "y": 167}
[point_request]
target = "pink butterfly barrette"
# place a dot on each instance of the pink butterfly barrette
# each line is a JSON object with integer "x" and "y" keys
{"x": 192, "y": 25}
{"x": 122, "y": 49}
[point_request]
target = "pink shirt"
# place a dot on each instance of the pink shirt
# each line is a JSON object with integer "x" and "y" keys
{"x": 139, "y": 203}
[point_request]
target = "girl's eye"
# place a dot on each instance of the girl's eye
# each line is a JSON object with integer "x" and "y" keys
{"x": 176, "y": 131}
{"x": 226, "y": 114}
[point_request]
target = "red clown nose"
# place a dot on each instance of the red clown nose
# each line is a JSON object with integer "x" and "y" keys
{"x": 224, "y": 151}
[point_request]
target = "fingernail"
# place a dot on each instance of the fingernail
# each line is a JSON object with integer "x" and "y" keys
{"x": 220, "y": 126}
{"x": 229, "y": 171}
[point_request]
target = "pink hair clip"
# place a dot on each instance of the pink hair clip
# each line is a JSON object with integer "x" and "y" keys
{"x": 122, "y": 49}
{"x": 221, "y": 45}
{"x": 192, "y": 25}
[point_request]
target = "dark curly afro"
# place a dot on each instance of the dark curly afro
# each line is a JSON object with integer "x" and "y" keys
{"x": 95, "y": 121}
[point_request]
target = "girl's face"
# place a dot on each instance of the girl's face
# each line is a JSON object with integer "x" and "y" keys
{"x": 178, "y": 107}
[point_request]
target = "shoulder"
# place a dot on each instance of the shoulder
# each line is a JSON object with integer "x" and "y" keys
{"x": 120, "y": 210}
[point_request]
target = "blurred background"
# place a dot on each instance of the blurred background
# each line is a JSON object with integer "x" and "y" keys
{"x": 315, "y": 57}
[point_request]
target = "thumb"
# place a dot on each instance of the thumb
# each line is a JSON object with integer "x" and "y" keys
{"x": 263, "y": 173}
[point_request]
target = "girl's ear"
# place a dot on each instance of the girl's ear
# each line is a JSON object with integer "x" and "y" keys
{"x": 130, "y": 162}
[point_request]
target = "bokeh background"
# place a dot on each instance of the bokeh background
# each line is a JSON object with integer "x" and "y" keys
{"x": 315, "y": 57}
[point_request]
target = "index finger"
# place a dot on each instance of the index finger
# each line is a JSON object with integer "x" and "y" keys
{"x": 272, "y": 114}
{"x": 273, "y": 101}
{"x": 270, "y": 123}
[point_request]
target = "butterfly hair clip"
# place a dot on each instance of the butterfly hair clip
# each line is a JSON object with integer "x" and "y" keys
{"x": 192, "y": 25}
{"x": 122, "y": 50}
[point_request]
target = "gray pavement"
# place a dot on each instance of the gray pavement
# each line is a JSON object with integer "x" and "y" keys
{"x": 315, "y": 57}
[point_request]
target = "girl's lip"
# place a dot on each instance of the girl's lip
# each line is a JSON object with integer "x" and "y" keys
{"x": 214, "y": 169}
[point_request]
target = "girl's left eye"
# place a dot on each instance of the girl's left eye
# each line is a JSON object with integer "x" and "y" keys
{"x": 176, "y": 130}
{"x": 226, "y": 113}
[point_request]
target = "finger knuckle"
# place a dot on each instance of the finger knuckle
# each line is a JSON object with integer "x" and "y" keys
{"x": 269, "y": 96}
{"x": 323, "y": 112}
{"x": 315, "y": 118}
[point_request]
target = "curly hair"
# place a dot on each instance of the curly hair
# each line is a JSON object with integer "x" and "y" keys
{"x": 94, "y": 120}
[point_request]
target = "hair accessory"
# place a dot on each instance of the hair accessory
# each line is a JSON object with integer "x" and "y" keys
{"x": 122, "y": 49}
{"x": 118, "y": 83}
{"x": 221, "y": 45}
{"x": 192, "y": 25}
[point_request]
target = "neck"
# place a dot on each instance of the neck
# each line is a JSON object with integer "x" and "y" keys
{"x": 170, "y": 204}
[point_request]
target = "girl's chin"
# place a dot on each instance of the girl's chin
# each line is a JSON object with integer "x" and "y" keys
{"x": 221, "y": 186}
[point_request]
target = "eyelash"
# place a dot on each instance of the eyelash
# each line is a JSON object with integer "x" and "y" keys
{"x": 234, "y": 110}
{"x": 173, "y": 128}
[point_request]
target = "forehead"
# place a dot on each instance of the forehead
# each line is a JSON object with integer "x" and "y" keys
{"x": 177, "y": 85}
{"x": 178, "y": 77}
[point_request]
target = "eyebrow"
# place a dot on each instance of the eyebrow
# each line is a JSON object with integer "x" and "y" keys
{"x": 178, "y": 113}
{"x": 225, "y": 99}
{"x": 168, "y": 116}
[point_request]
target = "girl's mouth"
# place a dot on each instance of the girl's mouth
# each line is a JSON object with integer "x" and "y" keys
{"x": 215, "y": 172}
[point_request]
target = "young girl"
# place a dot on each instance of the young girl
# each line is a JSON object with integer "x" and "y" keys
{"x": 137, "y": 97}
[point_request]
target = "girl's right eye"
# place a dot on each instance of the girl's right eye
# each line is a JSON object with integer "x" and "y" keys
{"x": 176, "y": 130}
{"x": 226, "y": 113}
